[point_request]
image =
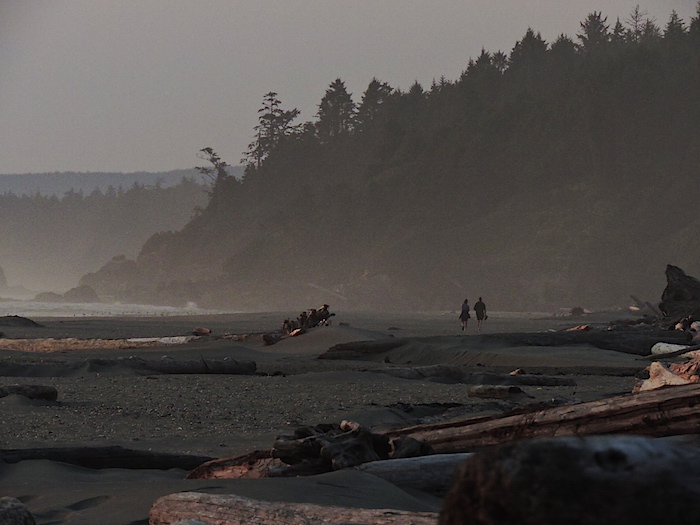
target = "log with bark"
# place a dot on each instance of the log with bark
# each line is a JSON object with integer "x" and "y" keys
{"x": 625, "y": 480}
{"x": 236, "y": 510}
{"x": 663, "y": 412}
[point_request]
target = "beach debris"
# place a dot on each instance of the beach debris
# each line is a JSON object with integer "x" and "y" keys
{"x": 201, "y": 331}
{"x": 497, "y": 392}
{"x": 47, "y": 393}
{"x": 661, "y": 374}
{"x": 577, "y": 481}
{"x": 237, "y": 510}
{"x": 14, "y": 512}
{"x": 327, "y": 447}
{"x": 16, "y": 320}
{"x": 661, "y": 412}
{"x": 313, "y": 450}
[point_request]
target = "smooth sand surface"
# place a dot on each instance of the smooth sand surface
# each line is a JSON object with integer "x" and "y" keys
{"x": 226, "y": 415}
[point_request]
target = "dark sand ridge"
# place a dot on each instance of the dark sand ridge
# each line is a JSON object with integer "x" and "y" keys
{"x": 220, "y": 416}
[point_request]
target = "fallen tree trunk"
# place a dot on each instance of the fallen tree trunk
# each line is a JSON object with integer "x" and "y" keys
{"x": 236, "y": 510}
{"x": 663, "y": 412}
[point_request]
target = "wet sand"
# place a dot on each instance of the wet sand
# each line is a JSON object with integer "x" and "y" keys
{"x": 225, "y": 415}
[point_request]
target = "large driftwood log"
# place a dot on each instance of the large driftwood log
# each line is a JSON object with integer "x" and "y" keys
{"x": 236, "y": 510}
{"x": 625, "y": 480}
{"x": 663, "y": 412}
{"x": 105, "y": 457}
{"x": 627, "y": 340}
{"x": 432, "y": 474}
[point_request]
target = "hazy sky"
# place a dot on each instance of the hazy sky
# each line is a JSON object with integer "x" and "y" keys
{"x": 108, "y": 85}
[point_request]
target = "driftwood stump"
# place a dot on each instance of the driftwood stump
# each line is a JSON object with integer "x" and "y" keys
{"x": 621, "y": 480}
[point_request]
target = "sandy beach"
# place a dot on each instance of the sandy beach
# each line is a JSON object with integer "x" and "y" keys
{"x": 101, "y": 404}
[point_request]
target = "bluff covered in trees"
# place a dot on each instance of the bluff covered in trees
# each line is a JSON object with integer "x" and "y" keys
{"x": 561, "y": 173}
{"x": 49, "y": 242}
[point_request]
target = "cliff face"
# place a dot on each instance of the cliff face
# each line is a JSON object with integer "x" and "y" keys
{"x": 567, "y": 180}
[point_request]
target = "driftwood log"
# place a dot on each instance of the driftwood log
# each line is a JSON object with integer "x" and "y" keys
{"x": 623, "y": 339}
{"x": 663, "y": 412}
{"x": 137, "y": 364}
{"x": 625, "y": 480}
{"x": 432, "y": 474}
{"x": 458, "y": 374}
{"x": 105, "y": 457}
{"x": 46, "y": 393}
{"x": 236, "y": 510}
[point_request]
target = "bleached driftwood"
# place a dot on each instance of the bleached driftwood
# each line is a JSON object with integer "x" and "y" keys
{"x": 236, "y": 510}
{"x": 664, "y": 412}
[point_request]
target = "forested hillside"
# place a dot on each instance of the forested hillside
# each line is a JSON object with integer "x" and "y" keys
{"x": 559, "y": 174}
{"x": 49, "y": 242}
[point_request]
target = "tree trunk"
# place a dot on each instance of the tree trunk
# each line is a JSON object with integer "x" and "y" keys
{"x": 236, "y": 510}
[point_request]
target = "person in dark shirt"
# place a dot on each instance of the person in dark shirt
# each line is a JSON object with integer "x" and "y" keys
{"x": 480, "y": 309}
{"x": 464, "y": 316}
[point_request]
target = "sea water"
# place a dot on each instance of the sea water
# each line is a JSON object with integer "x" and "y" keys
{"x": 51, "y": 309}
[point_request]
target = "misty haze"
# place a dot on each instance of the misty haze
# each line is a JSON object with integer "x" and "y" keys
{"x": 326, "y": 261}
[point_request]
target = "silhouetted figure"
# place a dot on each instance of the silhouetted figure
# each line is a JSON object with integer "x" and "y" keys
{"x": 313, "y": 318}
{"x": 303, "y": 320}
{"x": 464, "y": 316}
{"x": 480, "y": 309}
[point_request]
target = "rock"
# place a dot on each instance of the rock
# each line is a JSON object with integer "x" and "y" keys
{"x": 681, "y": 297}
{"x": 200, "y": 331}
{"x": 48, "y": 297}
{"x": 47, "y": 393}
{"x": 625, "y": 480}
{"x": 14, "y": 512}
{"x": 81, "y": 294}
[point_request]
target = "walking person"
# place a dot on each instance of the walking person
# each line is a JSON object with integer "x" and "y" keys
{"x": 480, "y": 309}
{"x": 464, "y": 316}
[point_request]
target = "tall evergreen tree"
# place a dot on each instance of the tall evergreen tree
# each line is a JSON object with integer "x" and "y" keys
{"x": 373, "y": 100}
{"x": 594, "y": 32}
{"x": 336, "y": 112}
{"x": 274, "y": 124}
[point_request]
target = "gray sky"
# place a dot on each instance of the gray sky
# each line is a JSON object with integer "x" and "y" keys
{"x": 107, "y": 85}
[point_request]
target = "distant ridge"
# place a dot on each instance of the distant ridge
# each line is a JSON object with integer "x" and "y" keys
{"x": 58, "y": 183}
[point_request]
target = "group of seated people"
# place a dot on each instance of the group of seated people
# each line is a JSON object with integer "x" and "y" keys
{"x": 314, "y": 317}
